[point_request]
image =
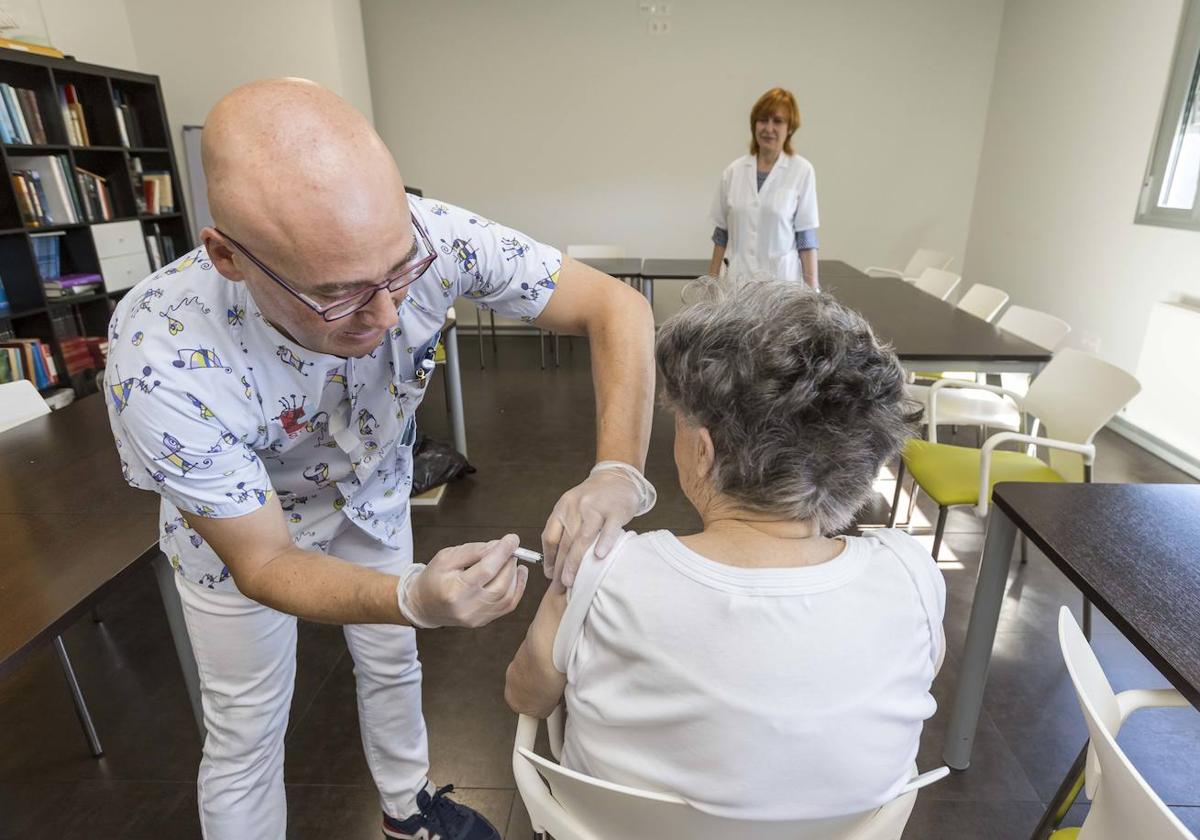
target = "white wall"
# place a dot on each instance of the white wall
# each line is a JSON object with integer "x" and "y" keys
{"x": 201, "y": 52}
{"x": 96, "y": 32}
{"x": 567, "y": 119}
{"x": 1074, "y": 108}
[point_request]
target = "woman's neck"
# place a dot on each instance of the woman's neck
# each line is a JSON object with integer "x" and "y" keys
{"x": 766, "y": 160}
{"x": 737, "y": 537}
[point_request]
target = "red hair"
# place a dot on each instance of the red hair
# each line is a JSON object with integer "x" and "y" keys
{"x": 775, "y": 101}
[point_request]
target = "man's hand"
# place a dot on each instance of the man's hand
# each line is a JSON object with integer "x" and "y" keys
{"x": 465, "y": 586}
{"x": 599, "y": 507}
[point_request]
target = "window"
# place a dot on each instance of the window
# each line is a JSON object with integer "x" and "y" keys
{"x": 1171, "y": 189}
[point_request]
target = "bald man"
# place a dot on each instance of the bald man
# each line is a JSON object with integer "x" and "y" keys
{"x": 266, "y": 385}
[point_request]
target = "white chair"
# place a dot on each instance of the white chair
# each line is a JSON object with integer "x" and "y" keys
{"x": 938, "y": 282}
{"x": 20, "y": 402}
{"x": 572, "y": 806}
{"x": 1123, "y": 805}
{"x": 1036, "y": 327}
{"x": 984, "y": 302}
{"x": 982, "y": 408}
{"x": 921, "y": 260}
{"x": 1074, "y": 396}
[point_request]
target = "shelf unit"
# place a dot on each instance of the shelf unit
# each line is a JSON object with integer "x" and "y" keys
{"x": 31, "y": 314}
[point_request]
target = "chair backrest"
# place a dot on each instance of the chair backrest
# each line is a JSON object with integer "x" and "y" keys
{"x": 1041, "y": 329}
{"x": 983, "y": 301}
{"x": 1073, "y": 397}
{"x": 1123, "y": 805}
{"x": 925, "y": 258}
{"x": 578, "y": 807}
{"x": 596, "y": 252}
{"x": 938, "y": 282}
{"x": 20, "y": 402}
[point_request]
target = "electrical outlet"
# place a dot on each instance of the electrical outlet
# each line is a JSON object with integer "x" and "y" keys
{"x": 657, "y": 26}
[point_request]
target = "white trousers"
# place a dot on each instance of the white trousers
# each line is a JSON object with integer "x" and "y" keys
{"x": 246, "y": 654}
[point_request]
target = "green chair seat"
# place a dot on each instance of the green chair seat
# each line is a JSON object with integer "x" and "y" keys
{"x": 950, "y": 474}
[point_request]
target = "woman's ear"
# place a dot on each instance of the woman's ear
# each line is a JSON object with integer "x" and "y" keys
{"x": 705, "y": 453}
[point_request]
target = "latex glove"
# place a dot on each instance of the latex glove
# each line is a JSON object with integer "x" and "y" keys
{"x": 464, "y": 586}
{"x": 594, "y": 511}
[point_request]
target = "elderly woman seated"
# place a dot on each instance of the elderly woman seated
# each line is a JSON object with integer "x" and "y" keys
{"x": 763, "y": 668}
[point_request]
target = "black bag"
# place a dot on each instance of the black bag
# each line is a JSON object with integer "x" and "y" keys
{"x": 435, "y": 463}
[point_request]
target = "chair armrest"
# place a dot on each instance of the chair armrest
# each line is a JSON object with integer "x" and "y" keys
{"x": 931, "y": 399}
{"x": 527, "y": 728}
{"x": 556, "y": 729}
{"x": 1149, "y": 698}
{"x": 926, "y": 778}
{"x": 877, "y": 271}
{"x": 1087, "y": 450}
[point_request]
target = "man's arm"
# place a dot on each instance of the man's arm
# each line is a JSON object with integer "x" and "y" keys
{"x": 620, "y": 328}
{"x": 468, "y": 585}
{"x": 532, "y": 685}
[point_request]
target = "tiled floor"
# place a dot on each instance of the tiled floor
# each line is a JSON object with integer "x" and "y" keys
{"x": 531, "y": 436}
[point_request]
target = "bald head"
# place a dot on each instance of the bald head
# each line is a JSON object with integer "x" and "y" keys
{"x": 292, "y": 166}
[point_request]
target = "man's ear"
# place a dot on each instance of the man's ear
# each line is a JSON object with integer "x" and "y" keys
{"x": 221, "y": 254}
{"x": 705, "y": 453}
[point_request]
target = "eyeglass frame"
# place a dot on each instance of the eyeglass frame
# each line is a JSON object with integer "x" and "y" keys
{"x": 417, "y": 270}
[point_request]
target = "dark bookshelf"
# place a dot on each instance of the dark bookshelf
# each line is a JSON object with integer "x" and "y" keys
{"x": 31, "y": 314}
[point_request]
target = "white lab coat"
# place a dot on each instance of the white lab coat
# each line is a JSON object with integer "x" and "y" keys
{"x": 762, "y": 224}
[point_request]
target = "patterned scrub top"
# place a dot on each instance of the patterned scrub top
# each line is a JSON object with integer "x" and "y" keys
{"x": 215, "y": 409}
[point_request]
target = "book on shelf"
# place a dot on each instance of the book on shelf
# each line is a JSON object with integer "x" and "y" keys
{"x": 25, "y": 46}
{"x": 139, "y": 183}
{"x": 30, "y": 358}
{"x": 161, "y": 247}
{"x": 93, "y": 190}
{"x": 127, "y": 120}
{"x": 57, "y": 193}
{"x": 48, "y": 251}
{"x": 4, "y": 305}
{"x": 77, "y": 357}
{"x": 72, "y": 284}
{"x": 33, "y": 115}
{"x": 32, "y": 198}
{"x": 158, "y": 191}
{"x": 73, "y": 115}
{"x": 12, "y": 105}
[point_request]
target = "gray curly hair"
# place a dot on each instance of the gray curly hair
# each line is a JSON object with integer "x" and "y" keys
{"x": 803, "y": 403}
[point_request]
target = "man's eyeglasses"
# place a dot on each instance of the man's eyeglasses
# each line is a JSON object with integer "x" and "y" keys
{"x": 408, "y": 274}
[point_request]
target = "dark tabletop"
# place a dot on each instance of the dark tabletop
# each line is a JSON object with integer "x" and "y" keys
{"x": 623, "y": 267}
{"x": 71, "y": 526}
{"x": 919, "y": 326}
{"x": 1134, "y": 552}
{"x": 674, "y": 269}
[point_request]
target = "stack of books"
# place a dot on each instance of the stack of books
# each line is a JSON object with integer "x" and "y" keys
{"x": 70, "y": 285}
{"x": 45, "y": 190}
{"x": 93, "y": 189}
{"x": 127, "y": 121}
{"x": 20, "y": 118}
{"x": 77, "y": 356}
{"x": 27, "y": 358}
{"x": 73, "y": 115}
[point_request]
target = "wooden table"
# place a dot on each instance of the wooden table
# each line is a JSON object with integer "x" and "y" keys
{"x": 670, "y": 270}
{"x": 73, "y": 529}
{"x": 1132, "y": 549}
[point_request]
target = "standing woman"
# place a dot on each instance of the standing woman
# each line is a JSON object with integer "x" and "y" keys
{"x": 765, "y": 209}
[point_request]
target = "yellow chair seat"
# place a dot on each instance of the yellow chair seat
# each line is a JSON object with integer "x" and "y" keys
{"x": 1065, "y": 834}
{"x": 963, "y": 375}
{"x": 950, "y": 474}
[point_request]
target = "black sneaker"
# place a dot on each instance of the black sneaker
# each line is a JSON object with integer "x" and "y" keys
{"x": 440, "y": 818}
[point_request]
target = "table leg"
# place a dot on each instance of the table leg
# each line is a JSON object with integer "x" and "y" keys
{"x": 165, "y": 575}
{"x": 81, "y": 709}
{"x": 1064, "y": 798}
{"x": 454, "y": 383}
{"x": 981, "y": 633}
